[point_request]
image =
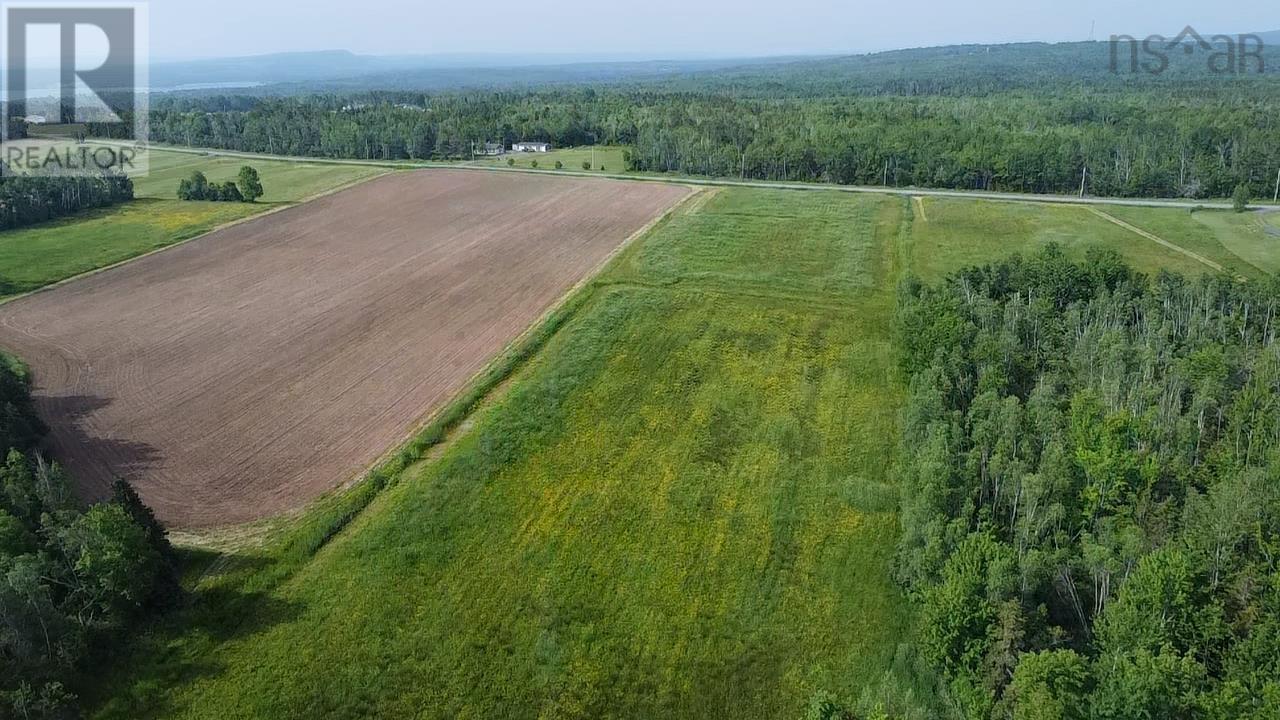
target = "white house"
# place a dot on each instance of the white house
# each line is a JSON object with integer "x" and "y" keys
{"x": 530, "y": 147}
{"x": 36, "y": 119}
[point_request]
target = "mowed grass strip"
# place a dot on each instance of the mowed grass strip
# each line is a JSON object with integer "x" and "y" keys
{"x": 33, "y": 257}
{"x": 682, "y": 505}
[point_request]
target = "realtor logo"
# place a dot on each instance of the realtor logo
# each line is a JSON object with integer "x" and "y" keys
{"x": 1224, "y": 54}
{"x": 74, "y": 87}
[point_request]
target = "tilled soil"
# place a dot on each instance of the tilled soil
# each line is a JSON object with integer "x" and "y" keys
{"x": 244, "y": 373}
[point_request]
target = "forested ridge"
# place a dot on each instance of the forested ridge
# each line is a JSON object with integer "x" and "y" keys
{"x": 1026, "y": 118}
{"x": 1091, "y": 490}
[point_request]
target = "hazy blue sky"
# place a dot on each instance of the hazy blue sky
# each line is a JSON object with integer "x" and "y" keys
{"x": 205, "y": 28}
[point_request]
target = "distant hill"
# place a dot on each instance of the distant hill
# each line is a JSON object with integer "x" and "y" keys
{"x": 343, "y": 69}
{"x": 1270, "y": 37}
{"x": 977, "y": 69}
{"x": 955, "y": 69}
{"x": 278, "y": 67}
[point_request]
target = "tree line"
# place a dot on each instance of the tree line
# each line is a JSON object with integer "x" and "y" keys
{"x": 1027, "y": 117}
{"x": 1091, "y": 490}
{"x": 1143, "y": 142}
{"x": 28, "y": 200}
{"x": 73, "y": 579}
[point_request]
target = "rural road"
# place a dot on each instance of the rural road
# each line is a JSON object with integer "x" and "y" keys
{"x": 716, "y": 182}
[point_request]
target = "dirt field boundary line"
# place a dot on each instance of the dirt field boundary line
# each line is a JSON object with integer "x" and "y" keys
{"x": 1158, "y": 240}
{"x": 515, "y": 346}
{"x": 435, "y": 431}
{"x": 919, "y": 201}
{"x": 268, "y": 210}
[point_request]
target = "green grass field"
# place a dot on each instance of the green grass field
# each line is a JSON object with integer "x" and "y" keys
{"x": 284, "y": 182}
{"x": 1237, "y": 241}
{"x": 33, "y": 257}
{"x": 683, "y": 505}
{"x": 608, "y": 156}
{"x": 954, "y": 232}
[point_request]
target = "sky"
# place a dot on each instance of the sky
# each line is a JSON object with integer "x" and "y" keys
{"x": 186, "y": 29}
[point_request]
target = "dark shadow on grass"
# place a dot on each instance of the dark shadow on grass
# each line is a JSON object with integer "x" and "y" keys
{"x": 139, "y": 673}
{"x": 94, "y": 213}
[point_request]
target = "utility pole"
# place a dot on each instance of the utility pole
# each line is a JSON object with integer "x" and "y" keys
{"x": 1084, "y": 175}
{"x": 1277, "y": 197}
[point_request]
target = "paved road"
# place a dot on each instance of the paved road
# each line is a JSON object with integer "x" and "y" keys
{"x": 877, "y": 190}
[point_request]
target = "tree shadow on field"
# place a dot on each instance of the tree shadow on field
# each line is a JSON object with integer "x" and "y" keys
{"x": 93, "y": 461}
{"x": 140, "y": 674}
{"x": 182, "y": 647}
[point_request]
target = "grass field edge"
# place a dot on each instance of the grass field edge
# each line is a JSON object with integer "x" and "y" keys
{"x": 180, "y": 241}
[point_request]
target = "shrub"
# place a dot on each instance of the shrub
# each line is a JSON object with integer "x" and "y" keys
{"x": 225, "y": 192}
{"x": 249, "y": 184}
{"x": 1240, "y": 198}
{"x": 586, "y": 164}
{"x": 559, "y": 165}
{"x": 533, "y": 163}
{"x": 511, "y": 162}
{"x": 194, "y": 187}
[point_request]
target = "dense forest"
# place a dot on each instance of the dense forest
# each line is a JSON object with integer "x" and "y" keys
{"x": 1026, "y": 118}
{"x": 72, "y": 579}
{"x": 1091, "y": 490}
{"x": 1144, "y": 144}
{"x": 27, "y": 200}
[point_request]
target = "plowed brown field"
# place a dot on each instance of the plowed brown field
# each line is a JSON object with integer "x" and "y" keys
{"x": 246, "y": 372}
